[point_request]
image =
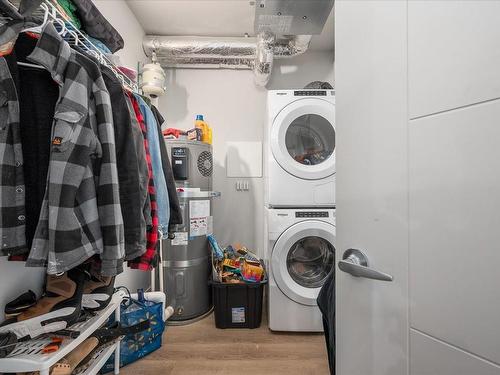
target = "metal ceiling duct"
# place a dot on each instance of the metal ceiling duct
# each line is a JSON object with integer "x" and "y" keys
{"x": 295, "y": 46}
{"x": 264, "y": 58}
{"x": 226, "y": 52}
{"x": 180, "y": 51}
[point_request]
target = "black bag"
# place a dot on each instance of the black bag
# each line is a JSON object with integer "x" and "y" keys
{"x": 326, "y": 303}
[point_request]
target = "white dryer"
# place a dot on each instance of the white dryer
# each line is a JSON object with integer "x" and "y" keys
{"x": 300, "y": 148}
{"x": 300, "y": 254}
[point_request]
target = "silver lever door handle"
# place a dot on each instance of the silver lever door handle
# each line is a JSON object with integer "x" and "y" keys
{"x": 355, "y": 263}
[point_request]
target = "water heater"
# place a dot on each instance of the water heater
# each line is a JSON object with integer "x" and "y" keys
{"x": 192, "y": 163}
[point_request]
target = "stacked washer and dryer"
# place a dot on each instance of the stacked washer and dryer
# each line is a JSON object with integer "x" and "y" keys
{"x": 300, "y": 205}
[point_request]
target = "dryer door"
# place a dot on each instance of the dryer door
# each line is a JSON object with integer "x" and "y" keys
{"x": 303, "y": 138}
{"x": 302, "y": 258}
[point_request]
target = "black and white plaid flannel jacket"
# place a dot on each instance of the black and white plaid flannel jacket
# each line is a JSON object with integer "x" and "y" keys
{"x": 12, "y": 189}
{"x": 12, "y": 193}
{"x": 80, "y": 214}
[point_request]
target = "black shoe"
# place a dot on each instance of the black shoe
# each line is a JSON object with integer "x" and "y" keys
{"x": 20, "y": 304}
{"x": 58, "y": 308}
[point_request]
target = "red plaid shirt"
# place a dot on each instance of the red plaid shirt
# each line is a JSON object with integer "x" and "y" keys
{"x": 148, "y": 260}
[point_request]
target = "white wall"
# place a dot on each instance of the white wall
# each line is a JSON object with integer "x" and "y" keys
{"x": 235, "y": 108}
{"x": 299, "y": 71}
{"x": 123, "y": 20}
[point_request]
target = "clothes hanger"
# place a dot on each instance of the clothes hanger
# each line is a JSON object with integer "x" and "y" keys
{"x": 37, "y": 30}
{"x": 75, "y": 36}
{"x": 28, "y": 65}
{"x": 63, "y": 30}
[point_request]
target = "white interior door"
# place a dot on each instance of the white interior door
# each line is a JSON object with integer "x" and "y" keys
{"x": 418, "y": 187}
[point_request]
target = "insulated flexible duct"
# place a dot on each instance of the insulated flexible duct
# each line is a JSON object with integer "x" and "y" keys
{"x": 175, "y": 51}
{"x": 264, "y": 57}
{"x": 295, "y": 46}
{"x": 226, "y": 52}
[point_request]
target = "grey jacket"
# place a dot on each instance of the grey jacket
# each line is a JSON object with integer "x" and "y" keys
{"x": 131, "y": 163}
{"x": 81, "y": 214}
{"x": 12, "y": 189}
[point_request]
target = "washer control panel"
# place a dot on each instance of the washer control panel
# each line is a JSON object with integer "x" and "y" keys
{"x": 311, "y": 214}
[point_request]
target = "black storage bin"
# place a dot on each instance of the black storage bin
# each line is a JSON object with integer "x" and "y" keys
{"x": 238, "y": 305}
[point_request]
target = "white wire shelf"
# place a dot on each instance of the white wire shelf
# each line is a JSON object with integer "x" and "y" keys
{"x": 76, "y": 39}
{"x": 27, "y": 356}
{"x": 79, "y": 41}
{"x": 99, "y": 358}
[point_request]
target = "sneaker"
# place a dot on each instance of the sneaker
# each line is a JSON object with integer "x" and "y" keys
{"x": 58, "y": 308}
{"x": 97, "y": 292}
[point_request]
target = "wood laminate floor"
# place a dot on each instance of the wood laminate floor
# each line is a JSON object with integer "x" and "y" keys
{"x": 202, "y": 349}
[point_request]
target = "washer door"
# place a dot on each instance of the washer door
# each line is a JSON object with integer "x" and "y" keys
{"x": 303, "y": 139}
{"x": 302, "y": 258}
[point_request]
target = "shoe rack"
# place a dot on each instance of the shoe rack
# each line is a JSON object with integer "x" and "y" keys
{"x": 27, "y": 356}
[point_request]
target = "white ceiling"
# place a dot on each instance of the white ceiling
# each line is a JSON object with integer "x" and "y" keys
{"x": 209, "y": 18}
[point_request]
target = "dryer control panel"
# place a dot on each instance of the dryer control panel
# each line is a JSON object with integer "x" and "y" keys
{"x": 310, "y": 93}
{"x": 312, "y": 214}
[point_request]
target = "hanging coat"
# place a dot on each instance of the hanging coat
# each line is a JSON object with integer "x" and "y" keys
{"x": 175, "y": 209}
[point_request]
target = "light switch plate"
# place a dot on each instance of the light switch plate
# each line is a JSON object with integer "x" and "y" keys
{"x": 242, "y": 185}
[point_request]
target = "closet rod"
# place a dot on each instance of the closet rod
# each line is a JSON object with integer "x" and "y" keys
{"x": 28, "y": 65}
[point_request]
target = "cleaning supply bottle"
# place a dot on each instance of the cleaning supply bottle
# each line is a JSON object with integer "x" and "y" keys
{"x": 206, "y": 130}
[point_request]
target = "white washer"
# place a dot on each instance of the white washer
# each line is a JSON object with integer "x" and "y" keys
{"x": 300, "y": 148}
{"x": 300, "y": 254}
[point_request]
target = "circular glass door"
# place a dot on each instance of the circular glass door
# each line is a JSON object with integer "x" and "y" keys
{"x": 303, "y": 139}
{"x": 302, "y": 258}
{"x": 310, "y": 261}
{"x": 310, "y": 139}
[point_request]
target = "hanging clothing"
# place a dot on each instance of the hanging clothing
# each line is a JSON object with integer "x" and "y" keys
{"x": 149, "y": 259}
{"x": 175, "y": 209}
{"x": 81, "y": 213}
{"x": 138, "y": 137}
{"x": 161, "y": 191}
{"x": 97, "y": 26}
{"x": 38, "y": 95}
{"x": 12, "y": 189}
{"x": 99, "y": 45}
{"x": 131, "y": 200}
{"x": 21, "y": 19}
{"x": 69, "y": 9}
